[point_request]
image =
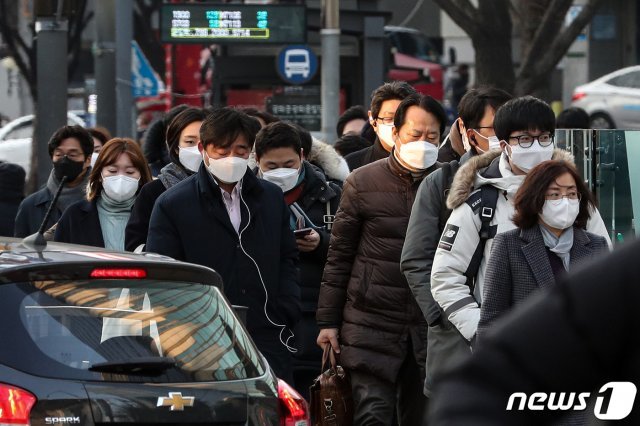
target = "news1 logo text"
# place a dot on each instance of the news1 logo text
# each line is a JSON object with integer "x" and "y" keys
{"x": 614, "y": 401}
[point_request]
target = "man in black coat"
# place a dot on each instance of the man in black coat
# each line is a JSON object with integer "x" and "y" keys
{"x": 384, "y": 102}
{"x": 225, "y": 218}
{"x": 313, "y": 203}
{"x": 576, "y": 338}
{"x": 70, "y": 149}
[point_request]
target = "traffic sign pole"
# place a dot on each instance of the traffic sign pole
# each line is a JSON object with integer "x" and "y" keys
{"x": 125, "y": 118}
{"x": 330, "y": 39}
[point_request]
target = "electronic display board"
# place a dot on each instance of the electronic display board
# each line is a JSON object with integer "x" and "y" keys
{"x": 232, "y": 23}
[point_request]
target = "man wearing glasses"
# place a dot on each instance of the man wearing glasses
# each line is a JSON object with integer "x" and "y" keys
{"x": 525, "y": 127}
{"x": 384, "y": 102}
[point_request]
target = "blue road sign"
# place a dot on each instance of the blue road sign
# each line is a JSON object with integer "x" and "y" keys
{"x": 144, "y": 80}
{"x": 297, "y": 64}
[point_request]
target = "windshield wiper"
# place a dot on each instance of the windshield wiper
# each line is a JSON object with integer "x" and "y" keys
{"x": 143, "y": 366}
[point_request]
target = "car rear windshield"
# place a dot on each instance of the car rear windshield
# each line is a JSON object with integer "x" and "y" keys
{"x": 62, "y": 329}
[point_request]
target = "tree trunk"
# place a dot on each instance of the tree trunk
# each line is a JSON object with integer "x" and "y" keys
{"x": 494, "y": 66}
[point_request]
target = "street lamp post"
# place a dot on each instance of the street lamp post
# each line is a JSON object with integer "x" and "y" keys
{"x": 330, "y": 83}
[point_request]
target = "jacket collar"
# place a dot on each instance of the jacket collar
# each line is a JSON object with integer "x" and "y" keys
{"x": 209, "y": 188}
{"x": 536, "y": 256}
{"x": 315, "y": 184}
{"x": 398, "y": 170}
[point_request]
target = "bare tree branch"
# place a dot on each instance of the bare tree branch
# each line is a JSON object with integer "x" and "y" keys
{"x": 463, "y": 13}
{"x": 17, "y": 48}
{"x": 544, "y": 34}
{"x": 554, "y": 53}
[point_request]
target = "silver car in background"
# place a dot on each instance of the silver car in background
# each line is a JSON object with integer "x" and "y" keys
{"x": 612, "y": 101}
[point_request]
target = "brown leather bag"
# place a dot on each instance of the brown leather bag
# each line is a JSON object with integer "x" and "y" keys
{"x": 331, "y": 399}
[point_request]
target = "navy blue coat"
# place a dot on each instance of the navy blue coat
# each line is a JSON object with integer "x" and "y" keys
{"x": 31, "y": 213}
{"x": 80, "y": 224}
{"x": 190, "y": 222}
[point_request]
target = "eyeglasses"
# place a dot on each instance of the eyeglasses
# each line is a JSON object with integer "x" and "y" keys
{"x": 557, "y": 196}
{"x": 387, "y": 121}
{"x": 525, "y": 141}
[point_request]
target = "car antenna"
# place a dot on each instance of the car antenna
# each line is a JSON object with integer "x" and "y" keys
{"x": 37, "y": 241}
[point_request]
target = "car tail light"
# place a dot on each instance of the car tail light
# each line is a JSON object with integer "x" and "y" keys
{"x": 577, "y": 96}
{"x": 15, "y": 405}
{"x": 118, "y": 273}
{"x": 294, "y": 410}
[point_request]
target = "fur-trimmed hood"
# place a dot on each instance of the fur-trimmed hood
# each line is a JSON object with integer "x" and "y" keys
{"x": 322, "y": 155}
{"x": 470, "y": 175}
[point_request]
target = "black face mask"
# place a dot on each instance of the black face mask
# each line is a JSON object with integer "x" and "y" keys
{"x": 67, "y": 167}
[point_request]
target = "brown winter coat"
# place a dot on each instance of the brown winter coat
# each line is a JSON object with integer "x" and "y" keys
{"x": 363, "y": 291}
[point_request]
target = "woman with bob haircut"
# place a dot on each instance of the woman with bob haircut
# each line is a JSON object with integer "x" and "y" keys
{"x": 120, "y": 171}
{"x": 552, "y": 208}
{"x": 183, "y": 135}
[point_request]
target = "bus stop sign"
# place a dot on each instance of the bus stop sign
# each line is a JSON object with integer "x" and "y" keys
{"x": 297, "y": 64}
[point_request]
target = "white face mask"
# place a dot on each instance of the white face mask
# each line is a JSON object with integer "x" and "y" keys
{"x": 527, "y": 158}
{"x": 285, "y": 178}
{"x": 228, "y": 169}
{"x": 385, "y": 134}
{"x": 560, "y": 214}
{"x": 120, "y": 187}
{"x": 419, "y": 154}
{"x": 494, "y": 142}
{"x": 190, "y": 158}
{"x": 94, "y": 157}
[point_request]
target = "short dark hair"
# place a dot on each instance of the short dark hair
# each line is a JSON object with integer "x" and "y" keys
{"x": 573, "y": 118}
{"x": 263, "y": 115}
{"x": 530, "y": 198}
{"x": 349, "y": 143}
{"x": 100, "y": 133}
{"x": 76, "y": 132}
{"x": 474, "y": 102}
{"x": 277, "y": 135}
{"x": 425, "y": 102}
{"x": 224, "y": 125}
{"x": 356, "y": 112}
{"x": 389, "y": 91}
{"x": 524, "y": 113}
{"x": 176, "y": 127}
{"x": 306, "y": 140}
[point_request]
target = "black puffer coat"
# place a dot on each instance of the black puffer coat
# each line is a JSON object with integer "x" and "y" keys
{"x": 363, "y": 291}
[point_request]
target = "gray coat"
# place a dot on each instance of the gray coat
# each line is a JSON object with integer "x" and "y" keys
{"x": 519, "y": 265}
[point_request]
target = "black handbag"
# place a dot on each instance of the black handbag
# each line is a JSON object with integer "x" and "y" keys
{"x": 330, "y": 394}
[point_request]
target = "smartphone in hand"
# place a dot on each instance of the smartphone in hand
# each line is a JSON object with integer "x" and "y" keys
{"x": 301, "y": 233}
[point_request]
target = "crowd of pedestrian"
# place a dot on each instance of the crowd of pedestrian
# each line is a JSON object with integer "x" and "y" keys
{"x": 401, "y": 246}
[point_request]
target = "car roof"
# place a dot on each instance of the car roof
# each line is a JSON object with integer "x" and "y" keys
{"x": 616, "y": 73}
{"x": 26, "y": 119}
{"x": 60, "y": 261}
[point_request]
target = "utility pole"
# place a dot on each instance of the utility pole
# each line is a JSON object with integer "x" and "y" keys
{"x": 124, "y": 97}
{"x": 104, "y": 52}
{"x": 51, "y": 105}
{"x": 330, "y": 82}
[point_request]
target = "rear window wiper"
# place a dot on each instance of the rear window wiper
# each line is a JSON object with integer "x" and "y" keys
{"x": 142, "y": 366}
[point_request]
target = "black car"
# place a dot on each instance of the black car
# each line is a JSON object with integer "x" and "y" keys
{"x": 94, "y": 337}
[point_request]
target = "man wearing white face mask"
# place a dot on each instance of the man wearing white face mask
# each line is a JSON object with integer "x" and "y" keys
{"x": 225, "y": 218}
{"x": 384, "y": 102}
{"x": 525, "y": 127}
{"x": 366, "y": 311}
{"x": 313, "y": 203}
{"x": 429, "y": 216}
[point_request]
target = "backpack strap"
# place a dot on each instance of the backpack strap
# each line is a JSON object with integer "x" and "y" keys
{"x": 489, "y": 200}
{"x": 328, "y": 218}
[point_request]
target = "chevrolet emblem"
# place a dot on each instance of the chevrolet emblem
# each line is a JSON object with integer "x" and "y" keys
{"x": 176, "y": 401}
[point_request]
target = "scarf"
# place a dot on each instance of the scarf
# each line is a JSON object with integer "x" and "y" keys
{"x": 68, "y": 195}
{"x": 172, "y": 174}
{"x": 114, "y": 216}
{"x": 561, "y": 246}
